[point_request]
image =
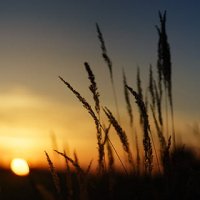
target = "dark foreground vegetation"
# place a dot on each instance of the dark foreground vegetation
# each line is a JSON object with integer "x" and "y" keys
{"x": 180, "y": 182}
{"x": 24, "y": 187}
{"x": 157, "y": 169}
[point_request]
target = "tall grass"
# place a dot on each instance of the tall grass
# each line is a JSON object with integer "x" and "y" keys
{"x": 154, "y": 128}
{"x": 155, "y": 88}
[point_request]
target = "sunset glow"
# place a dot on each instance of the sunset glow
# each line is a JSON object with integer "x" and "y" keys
{"x": 19, "y": 167}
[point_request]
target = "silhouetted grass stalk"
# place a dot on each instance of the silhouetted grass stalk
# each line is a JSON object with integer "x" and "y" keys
{"x": 123, "y": 166}
{"x": 54, "y": 176}
{"x": 68, "y": 179}
{"x": 130, "y": 113}
{"x": 110, "y": 154}
{"x": 164, "y": 63}
{"x": 109, "y": 64}
{"x": 146, "y": 128}
{"x": 127, "y": 99}
{"x": 120, "y": 132}
{"x": 155, "y": 100}
{"x": 94, "y": 90}
{"x": 143, "y": 109}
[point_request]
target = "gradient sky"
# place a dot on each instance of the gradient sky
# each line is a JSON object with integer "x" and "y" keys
{"x": 40, "y": 40}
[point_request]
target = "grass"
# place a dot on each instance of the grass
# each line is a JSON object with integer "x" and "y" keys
{"x": 163, "y": 171}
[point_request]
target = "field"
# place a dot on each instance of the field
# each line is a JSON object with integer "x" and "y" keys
{"x": 181, "y": 183}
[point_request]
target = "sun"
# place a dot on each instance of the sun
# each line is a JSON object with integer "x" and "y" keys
{"x": 20, "y": 167}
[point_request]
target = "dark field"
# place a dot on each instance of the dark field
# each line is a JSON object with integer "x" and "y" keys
{"x": 23, "y": 187}
{"x": 181, "y": 181}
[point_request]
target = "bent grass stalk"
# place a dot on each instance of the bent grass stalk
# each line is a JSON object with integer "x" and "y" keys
{"x": 74, "y": 163}
{"x": 87, "y": 106}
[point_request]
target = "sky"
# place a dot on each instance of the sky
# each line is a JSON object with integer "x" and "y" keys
{"x": 40, "y": 40}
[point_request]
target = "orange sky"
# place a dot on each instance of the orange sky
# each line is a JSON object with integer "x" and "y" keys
{"x": 28, "y": 122}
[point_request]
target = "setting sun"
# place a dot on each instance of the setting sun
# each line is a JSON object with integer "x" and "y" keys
{"x": 19, "y": 167}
